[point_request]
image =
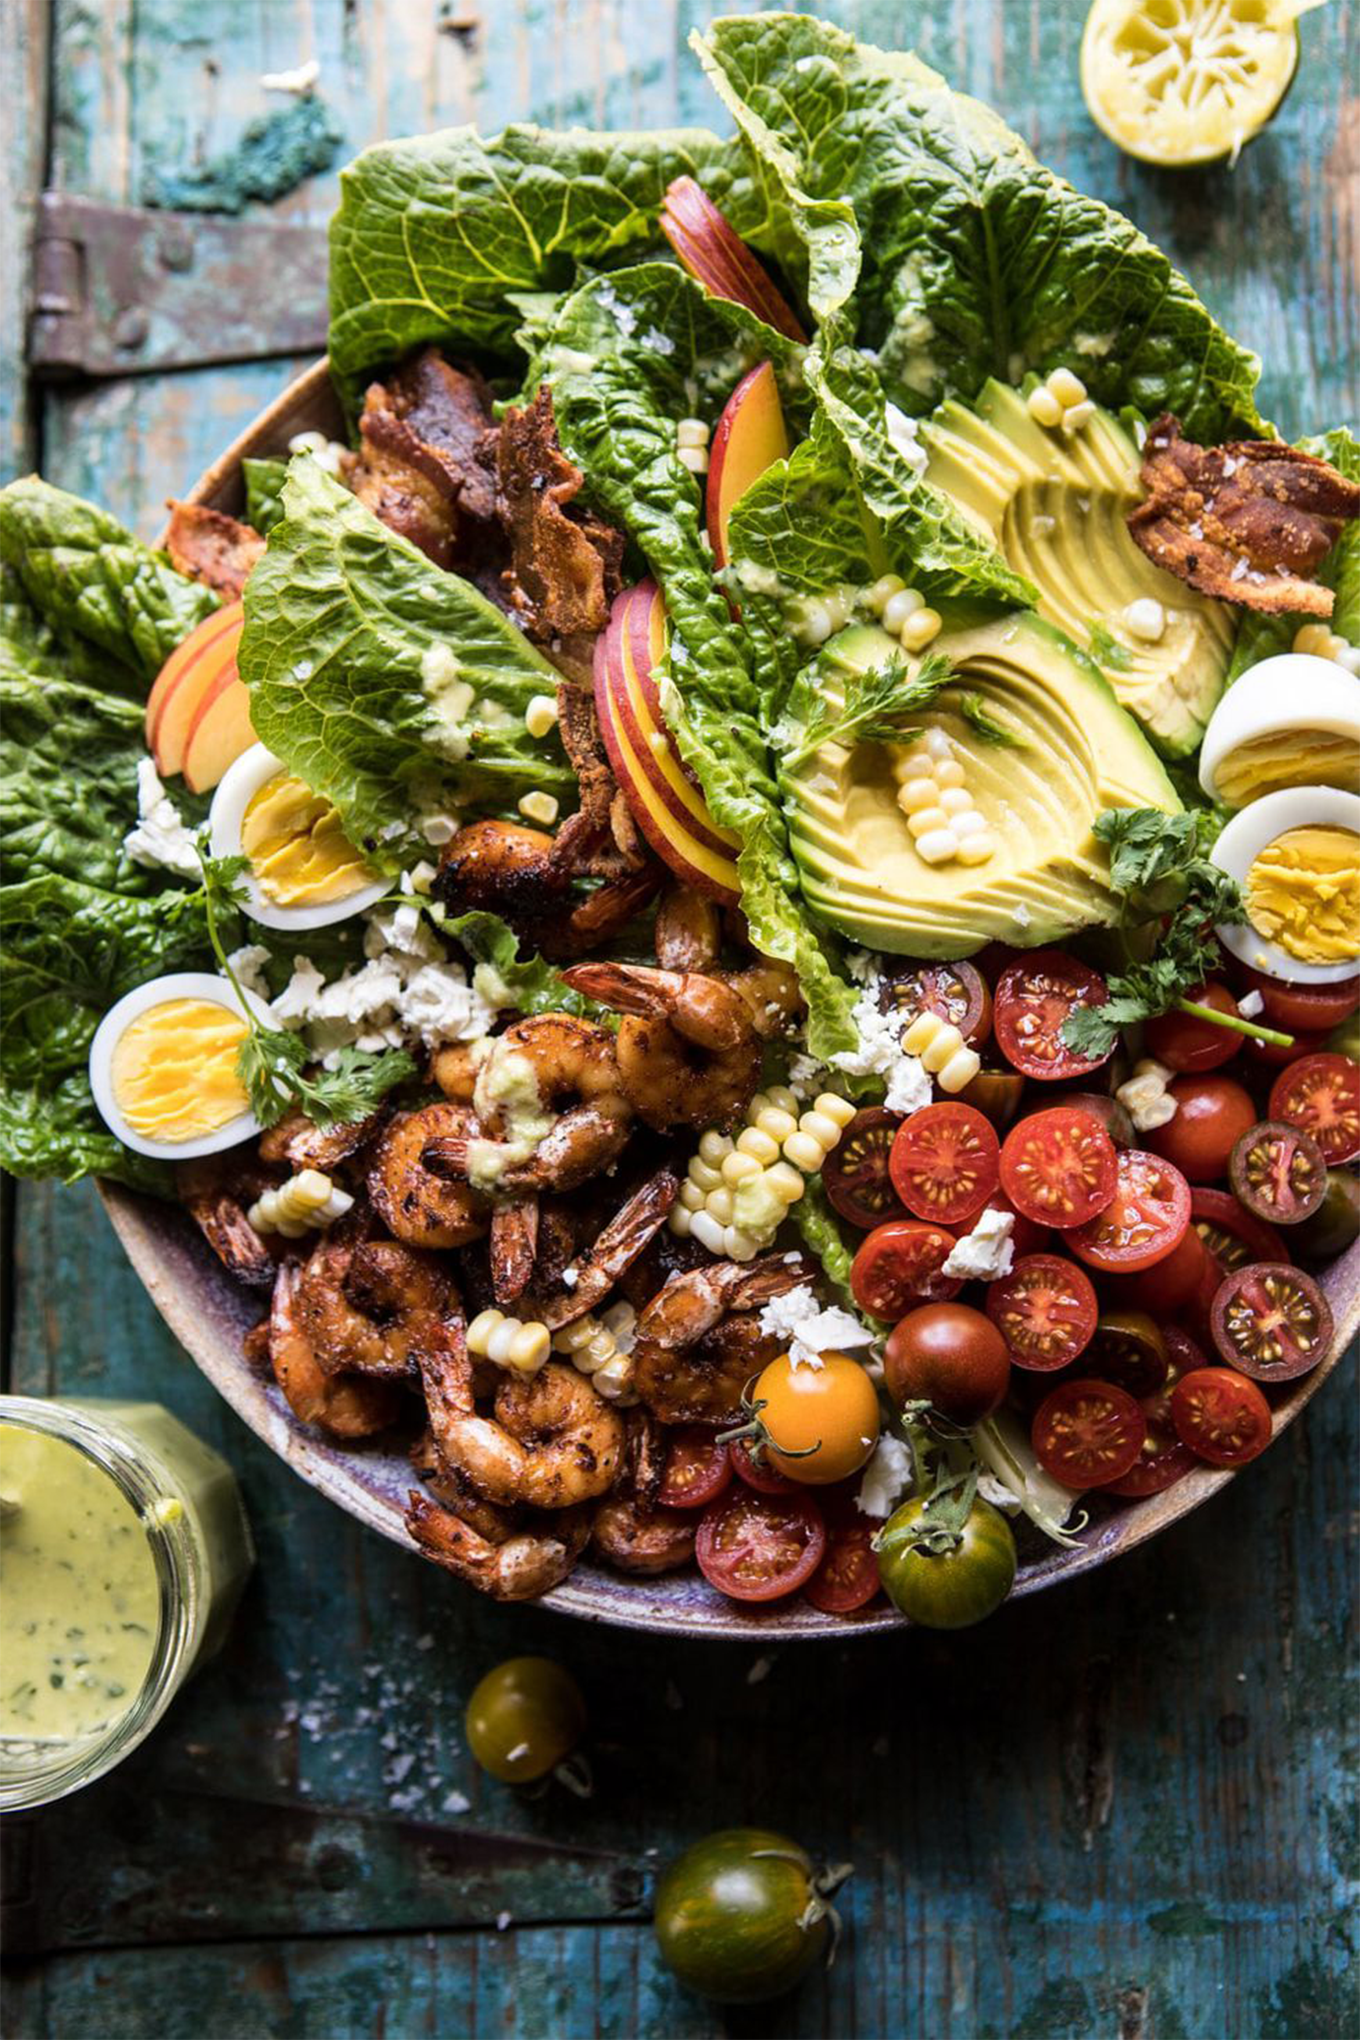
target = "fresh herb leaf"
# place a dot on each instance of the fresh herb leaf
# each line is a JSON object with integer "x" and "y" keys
{"x": 1106, "y": 649}
{"x": 875, "y": 703}
{"x": 985, "y": 725}
{"x": 510, "y": 982}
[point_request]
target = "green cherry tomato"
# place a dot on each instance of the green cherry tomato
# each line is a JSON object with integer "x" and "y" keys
{"x": 524, "y": 1718}
{"x": 956, "y": 1588}
{"x": 739, "y": 1918}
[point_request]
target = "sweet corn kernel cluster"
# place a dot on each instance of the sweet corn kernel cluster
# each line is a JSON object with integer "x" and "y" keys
{"x": 813, "y": 618}
{"x": 521, "y": 1344}
{"x": 938, "y": 806}
{"x": 737, "y": 1192}
{"x": 691, "y": 443}
{"x": 940, "y": 1049}
{"x": 307, "y": 1202}
{"x": 601, "y": 1347}
{"x": 1061, "y": 400}
{"x": 904, "y": 612}
{"x": 1325, "y": 643}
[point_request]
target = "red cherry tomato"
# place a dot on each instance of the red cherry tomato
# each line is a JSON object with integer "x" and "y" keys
{"x": 1034, "y": 995}
{"x": 1302, "y": 1009}
{"x": 898, "y": 1266}
{"x": 945, "y": 1162}
{"x": 847, "y": 1577}
{"x": 758, "y": 1547}
{"x": 1088, "y": 1433}
{"x": 1026, "y": 1236}
{"x": 1167, "y": 1284}
{"x": 1145, "y": 1219}
{"x": 1233, "y": 1234}
{"x": 1058, "y": 1166}
{"x": 855, "y": 1173}
{"x": 1220, "y": 1416}
{"x": 1272, "y": 1321}
{"x": 957, "y": 992}
{"x": 697, "y": 1468}
{"x": 1184, "y": 1043}
{"x": 1211, "y": 1115}
{"x": 1270, "y": 1055}
{"x": 1045, "y": 1310}
{"x": 1113, "y": 1116}
{"x": 1321, "y": 1094}
{"x": 758, "y": 1474}
{"x": 1163, "y": 1459}
{"x": 950, "y": 1356}
{"x": 1277, "y": 1172}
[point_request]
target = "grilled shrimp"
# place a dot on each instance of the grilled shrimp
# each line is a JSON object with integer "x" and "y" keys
{"x": 217, "y": 1192}
{"x": 587, "y": 1280}
{"x": 521, "y": 1566}
{"x": 506, "y": 869}
{"x": 635, "y": 1539}
{"x": 688, "y": 932}
{"x": 346, "y": 1405}
{"x": 699, "y": 1341}
{"x": 417, "y": 1205}
{"x": 552, "y": 1442}
{"x": 772, "y": 992}
{"x": 301, "y": 1145}
{"x": 558, "y": 1077}
{"x": 377, "y": 1307}
{"x": 688, "y": 1051}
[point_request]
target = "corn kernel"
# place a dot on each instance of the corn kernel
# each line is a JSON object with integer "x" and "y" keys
{"x": 804, "y": 1152}
{"x": 784, "y": 1181}
{"x": 691, "y": 432}
{"x": 481, "y": 1328}
{"x": 976, "y": 849}
{"x": 1043, "y": 407}
{"x": 691, "y": 1196}
{"x": 917, "y": 794}
{"x": 916, "y": 765}
{"x": 783, "y": 1099}
{"x": 899, "y": 607}
{"x": 753, "y": 1142}
{"x": 937, "y": 746}
{"x": 539, "y": 807}
{"x": 1077, "y": 415}
{"x": 956, "y": 800}
{"x": 834, "y": 1107}
{"x": 960, "y": 1070}
{"x": 839, "y": 603}
{"x": 739, "y": 1245}
{"x": 968, "y": 823}
{"x": 945, "y": 1042}
{"x": 811, "y": 621}
{"x": 701, "y": 1173}
{"x": 713, "y": 1146}
{"x": 1067, "y": 387}
{"x": 950, "y": 773}
{"x": 883, "y": 591}
{"x": 540, "y": 715}
{"x": 695, "y": 458}
{"x": 737, "y": 1167}
{"x": 819, "y": 1128}
{"x": 918, "y": 630}
{"x": 530, "y": 1346}
{"x": 776, "y": 1123}
{"x": 707, "y": 1231}
{"x": 937, "y": 846}
{"x": 681, "y": 1219}
{"x": 925, "y": 819}
{"x": 719, "y": 1205}
{"x": 614, "y": 1380}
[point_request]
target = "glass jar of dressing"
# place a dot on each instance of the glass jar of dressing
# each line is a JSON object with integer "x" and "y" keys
{"x": 123, "y": 1551}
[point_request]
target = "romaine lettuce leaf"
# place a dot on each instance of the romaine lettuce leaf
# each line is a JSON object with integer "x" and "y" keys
{"x": 958, "y": 255}
{"x": 264, "y": 480}
{"x": 510, "y": 982}
{"x": 68, "y": 782}
{"x": 387, "y": 684}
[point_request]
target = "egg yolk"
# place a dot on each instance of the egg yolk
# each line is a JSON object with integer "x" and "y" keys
{"x": 298, "y": 852}
{"x": 174, "y": 1070}
{"x": 1299, "y": 757}
{"x": 1303, "y": 892}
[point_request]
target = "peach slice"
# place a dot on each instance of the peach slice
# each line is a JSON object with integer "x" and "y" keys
{"x": 719, "y": 259}
{"x": 184, "y": 681}
{"x": 751, "y": 437}
{"x": 219, "y": 733}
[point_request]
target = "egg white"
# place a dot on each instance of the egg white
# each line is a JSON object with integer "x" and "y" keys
{"x": 1241, "y": 843}
{"x": 1293, "y": 691}
{"x": 183, "y": 984}
{"x": 242, "y": 781}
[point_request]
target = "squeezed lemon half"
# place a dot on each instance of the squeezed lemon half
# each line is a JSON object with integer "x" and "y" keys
{"x": 1188, "y": 81}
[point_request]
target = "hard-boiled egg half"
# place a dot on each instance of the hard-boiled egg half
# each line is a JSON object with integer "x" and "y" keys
{"x": 1293, "y": 720}
{"x": 1296, "y": 855}
{"x": 163, "y": 1066}
{"x": 302, "y": 870}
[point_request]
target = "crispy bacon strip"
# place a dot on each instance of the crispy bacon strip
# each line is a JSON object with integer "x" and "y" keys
{"x": 564, "y": 561}
{"x": 426, "y": 464}
{"x": 1248, "y": 522}
{"x": 212, "y": 547}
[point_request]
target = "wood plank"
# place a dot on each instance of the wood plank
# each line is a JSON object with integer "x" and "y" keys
{"x": 23, "y": 95}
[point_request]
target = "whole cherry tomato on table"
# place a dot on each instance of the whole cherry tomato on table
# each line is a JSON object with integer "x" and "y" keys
{"x": 524, "y": 1718}
{"x": 950, "y": 1356}
{"x": 741, "y": 1916}
{"x": 1212, "y": 1113}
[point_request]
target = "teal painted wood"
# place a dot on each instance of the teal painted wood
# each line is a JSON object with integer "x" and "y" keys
{"x": 1127, "y": 1808}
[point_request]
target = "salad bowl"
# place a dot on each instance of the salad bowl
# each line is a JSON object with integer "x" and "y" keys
{"x": 210, "y": 1314}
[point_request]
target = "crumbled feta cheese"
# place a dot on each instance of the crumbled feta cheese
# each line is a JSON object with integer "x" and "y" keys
{"x": 862, "y": 966}
{"x": 1250, "y": 1004}
{"x": 879, "y": 1045}
{"x": 161, "y": 838}
{"x": 327, "y": 453}
{"x": 810, "y": 1330}
{"x": 438, "y": 828}
{"x": 985, "y": 1252}
{"x": 886, "y": 1478}
{"x": 903, "y": 437}
{"x": 248, "y": 966}
{"x": 1145, "y": 1097}
{"x": 908, "y": 1085}
{"x": 405, "y": 990}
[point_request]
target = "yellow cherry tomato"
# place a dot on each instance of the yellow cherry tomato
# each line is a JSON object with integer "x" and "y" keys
{"x": 821, "y": 1423}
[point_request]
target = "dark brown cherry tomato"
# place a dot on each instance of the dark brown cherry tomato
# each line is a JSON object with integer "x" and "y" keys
{"x": 1184, "y": 1043}
{"x": 756, "y": 1547}
{"x": 1334, "y": 1226}
{"x": 898, "y": 1266}
{"x": 1278, "y": 1172}
{"x": 1272, "y": 1321}
{"x": 1270, "y": 1054}
{"x": 1233, "y": 1234}
{"x": 1221, "y": 1416}
{"x": 1162, "y": 1459}
{"x": 1045, "y": 1310}
{"x": 1302, "y": 1009}
{"x": 1144, "y": 1220}
{"x": 1197, "y": 1312}
{"x": 1321, "y": 1095}
{"x": 1088, "y": 1433}
{"x": 957, "y": 992}
{"x": 1167, "y": 1284}
{"x": 950, "y": 1356}
{"x": 1058, "y": 1166}
{"x": 697, "y": 1468}
{"x": 1103, "y": 1106}
{"x": 1211, "y": 1114}
{"x": 847, "y": 1577}
{"x": 758, "y": 1474}
{"x": 1034, "y": 995}
{"x": 944, "y": 1162}
{"x": 996, "y": 1094}
{"x": 1129, "y": 1349}
{"x": 855, "y": 1173}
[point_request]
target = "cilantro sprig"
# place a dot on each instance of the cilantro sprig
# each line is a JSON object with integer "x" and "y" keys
{"x": 875, "y": 703}
{"x": 986, "y": 726}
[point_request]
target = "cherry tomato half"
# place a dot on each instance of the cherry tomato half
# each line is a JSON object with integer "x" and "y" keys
{"x": 1278, "y": 1172}
{"x": 945, "y": 1162}
{"x": 952, "y": 1589}
{"x": 821, "y": 1423}
{"x": 1045, "y": 1310}
{"x": 1162, "y": 1461}
{"x": 1128, "y": 1349}
{"x": 847, "y": 1577}
{"x": 1184, "y": 1043}
{"x": 1211, "y": 1115}
{"x": 1321, "y": 1094}
{"x": 1034, "y": 995}
{"x": 756, "y": 1547}
{"x": 523, "y": 1718}
{"x": 1272, "y": 1321}
{"x": 1143, "y": 1222}
{"x": 855, "y": 1173}
{"x": 1232, "y": 1234}
{"x": 738, "y": 1916}
{"x": 1087, "y": 1433}
{"x": 950, "y": 1356}
{"x": 697, "y": 1468}
{"x": 1302, "y": 1009}
{"x": 1221, "y": 1416}
{"x": 1058, "y": 1166}
{"x": 958, "y": 992}
{"x": 898, "y": 1266}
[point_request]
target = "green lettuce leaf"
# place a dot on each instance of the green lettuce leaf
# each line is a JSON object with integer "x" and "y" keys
{"x": 957, "y": 255}
{"x": 264, "y": 480}
{"x": 1262, "y": 637}
{"x": 387, "y": 684}
{"x": 813, "y": 1218}
{"x": 68, "y": 782}
{"x": 513, "y": 983}
{"x": 92, "y": 581}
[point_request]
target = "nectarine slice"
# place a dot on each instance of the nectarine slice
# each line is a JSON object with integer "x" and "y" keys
{"x": 718, "y": 258}
{"x": 751, "y": 437}
{"x": 219, "y": 733}
{"x": 184, "y": 681}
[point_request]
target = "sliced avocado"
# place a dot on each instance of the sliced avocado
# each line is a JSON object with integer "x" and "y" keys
{"x": 1055, "y": 506}
{"x": 1075, "y": 753}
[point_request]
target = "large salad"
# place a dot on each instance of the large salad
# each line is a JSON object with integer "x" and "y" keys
{"x": 742, "y": 907}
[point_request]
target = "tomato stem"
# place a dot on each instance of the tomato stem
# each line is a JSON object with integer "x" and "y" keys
{"x": 1235, "y": 1024}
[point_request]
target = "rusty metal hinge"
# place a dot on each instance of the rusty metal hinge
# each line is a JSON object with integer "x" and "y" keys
{"x": 118, "y": 291}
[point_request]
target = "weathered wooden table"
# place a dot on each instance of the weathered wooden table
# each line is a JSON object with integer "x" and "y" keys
{"x": 1127, "y": 1809}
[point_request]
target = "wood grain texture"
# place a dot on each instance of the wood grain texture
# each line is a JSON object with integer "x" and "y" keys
{"x": 1125, "y": 1809}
